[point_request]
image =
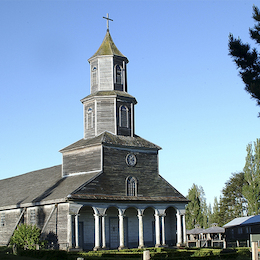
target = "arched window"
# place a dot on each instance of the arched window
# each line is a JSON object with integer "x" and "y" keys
{"x": 123, "y": 117}
{"x": 131, "y": 186}
{"x": 94, "y": 75}
{"x": 90, "y": 118}
{"x": 118, "y": 75}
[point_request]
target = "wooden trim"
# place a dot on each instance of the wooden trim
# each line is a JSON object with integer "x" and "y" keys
{"x": 123, "y": 77}
{"x": 132, "y": 120}
{"x": 95, "y": 104}
{"x": 115, "y": 117}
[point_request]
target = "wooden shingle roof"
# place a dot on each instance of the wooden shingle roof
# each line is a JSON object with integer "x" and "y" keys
{"x": 111, "y": 93}
{"x": 39, "y": 187}
{"x": 108, "y": 47}
{"x": 108, "y": 138}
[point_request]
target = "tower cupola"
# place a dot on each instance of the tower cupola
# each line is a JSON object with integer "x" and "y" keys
{"x": 108, "y": 67}
{"x": 108, "y": 107}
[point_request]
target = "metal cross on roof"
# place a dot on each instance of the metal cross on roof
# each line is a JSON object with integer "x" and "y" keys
{"x": 108, "y": 19}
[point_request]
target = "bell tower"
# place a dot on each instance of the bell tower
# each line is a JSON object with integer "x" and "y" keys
{"x": 108, "y": 67}
{"x": 108, "y": 107}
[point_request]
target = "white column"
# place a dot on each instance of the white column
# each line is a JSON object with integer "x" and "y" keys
{"x": 184, "y": 230}
{"x": 69, "y": 231}
{"x": 97, "y": 232}
{"x": 77, "y": 230}
{"x": 157, "y": 230}
{"x": 163, "y": 230}
{"x": 121, "y": 231}
{"x": 179, "y": 235}
{"x": 141, "y": 231}
{"x": 103, "y": 231}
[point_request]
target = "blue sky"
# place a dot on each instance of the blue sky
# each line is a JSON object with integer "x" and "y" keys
{"x": 191, "y": 101}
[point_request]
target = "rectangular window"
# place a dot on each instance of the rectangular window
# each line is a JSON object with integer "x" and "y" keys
{"x": 2, "y": 223}
{"x": 32, "y": 217}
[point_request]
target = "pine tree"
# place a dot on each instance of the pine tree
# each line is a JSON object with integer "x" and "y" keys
{"x": 194, "y": 209}
{"x": 251, "y": 190}
{"x": 247, "y": 59}
{"x": 215, "y": 213}
{"x": 232, "y": 203}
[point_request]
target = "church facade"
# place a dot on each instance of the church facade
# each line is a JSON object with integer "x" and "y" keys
{"x": 107, "y": 193}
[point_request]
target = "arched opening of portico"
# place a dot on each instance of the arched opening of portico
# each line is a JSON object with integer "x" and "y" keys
{"x": 112, "y": 227}
{"x": 86, "y": 228}
{"x": 149, "y": 227}
{"x": 170, "y": 226}
{"x": 131, "y": 227}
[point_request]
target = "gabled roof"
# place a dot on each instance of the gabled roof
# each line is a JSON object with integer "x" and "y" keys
{"x": 243, "y": 221}
{"x": 110, "y": 139}
{"x": 108, "y": 47}
{"x": 39, "y": 186}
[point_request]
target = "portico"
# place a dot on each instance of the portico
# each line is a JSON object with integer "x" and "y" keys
{"x": 125, "y": 226}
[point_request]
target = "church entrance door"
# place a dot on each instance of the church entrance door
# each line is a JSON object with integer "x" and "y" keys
{"x": 113, "y": 232}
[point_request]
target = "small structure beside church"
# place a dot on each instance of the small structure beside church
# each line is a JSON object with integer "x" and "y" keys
{"x": 238, "y": 230}
{"x": 213, "y": 236}
{"x": 107, "y": 193}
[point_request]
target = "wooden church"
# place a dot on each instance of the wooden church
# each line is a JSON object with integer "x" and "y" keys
{"x": 107, "y": 193}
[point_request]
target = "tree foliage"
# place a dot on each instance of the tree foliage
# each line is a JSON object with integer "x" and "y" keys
{"x": 247, "y": 59}
{"x": 232, "y": 203}
{"x": 251, "y": 189}
{"x": 214, "y": 216}
{"x": 194, "y": 209}
{"x": 26, "y": 236}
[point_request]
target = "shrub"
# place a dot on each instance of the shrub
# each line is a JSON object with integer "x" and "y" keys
{"x": 26, "y": 236}
{"x": 45, "y": 254}
{"x": 203, "y": 252}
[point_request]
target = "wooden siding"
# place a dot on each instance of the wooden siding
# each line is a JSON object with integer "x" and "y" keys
{"x": 106, "y": 81}
{"x": 112, "y": 181}
{"x": 56, "y": 227}
{"x": 89, "y": 127}
{"x": 11, "y": 217}
{"x": 83, "y": 160}
{"x": 115, "y": 171}
{"x": 105, "y": 115}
